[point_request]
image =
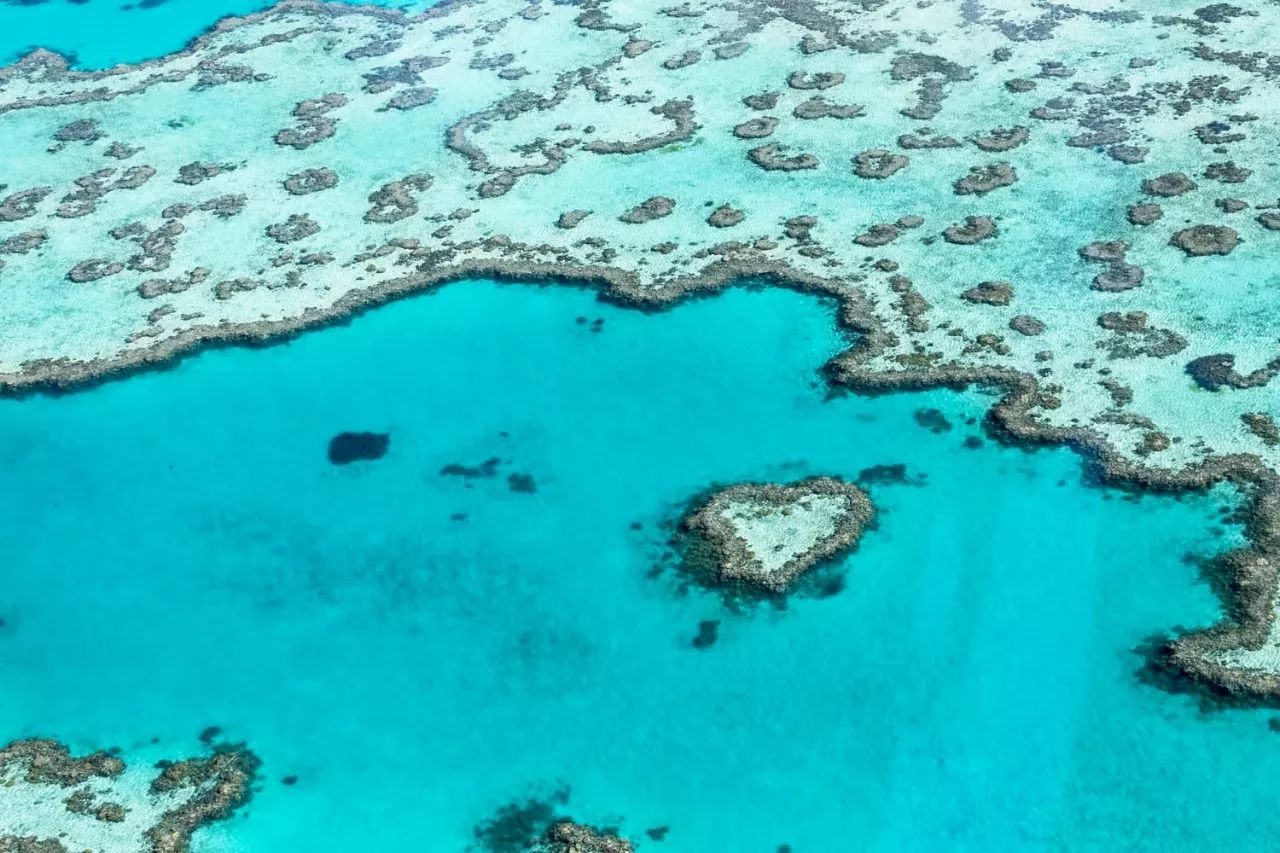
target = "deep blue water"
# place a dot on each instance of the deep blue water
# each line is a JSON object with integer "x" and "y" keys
{"x": 179, "y": 552}
{"x": 101, "y": 33}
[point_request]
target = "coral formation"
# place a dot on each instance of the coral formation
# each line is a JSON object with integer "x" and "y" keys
{"x": 54, "y": 802}
{"x": 767, "y": 535}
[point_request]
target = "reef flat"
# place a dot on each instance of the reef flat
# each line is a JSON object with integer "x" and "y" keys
{"x": 54, "y": 802}
{"x": 768, "y": 534}
{"x": 1071, "y": 201}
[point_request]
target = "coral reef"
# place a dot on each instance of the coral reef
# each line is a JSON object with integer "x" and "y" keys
{"x": 54, "y": 802}
{"x": 767, "y": 535}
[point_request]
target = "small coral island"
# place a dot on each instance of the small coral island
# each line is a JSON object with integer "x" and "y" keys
{"x": 54, "y": 802}
{"x": 766, "y": 535}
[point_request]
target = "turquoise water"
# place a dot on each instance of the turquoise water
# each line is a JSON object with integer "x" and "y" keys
{"x": 102, "y": 33}
{"x": 180, "y": 553}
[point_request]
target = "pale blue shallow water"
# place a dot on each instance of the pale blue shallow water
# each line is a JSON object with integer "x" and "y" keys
{"x": 180, "y": 553}
{"x": 102, "y": 33}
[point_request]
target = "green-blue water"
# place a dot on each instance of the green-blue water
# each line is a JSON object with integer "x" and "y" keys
{"x": 180, "y": 553}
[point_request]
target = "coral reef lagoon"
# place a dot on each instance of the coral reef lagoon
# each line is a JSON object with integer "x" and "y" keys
{"x": 414, "y": 649}
{"x": 442, "y": 570}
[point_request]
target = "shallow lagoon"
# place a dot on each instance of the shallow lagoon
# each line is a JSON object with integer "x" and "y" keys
{"x": 181, "y": 553}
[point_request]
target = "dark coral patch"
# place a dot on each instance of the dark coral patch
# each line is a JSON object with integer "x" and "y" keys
{"x": 517, "y": 825}
{"x": 933, "y": 420}
{"x": 708, "y": 633}
{"x": 522, "y": 483}
{"x": 486, "y": 469}
{"x": 348, "y": 447}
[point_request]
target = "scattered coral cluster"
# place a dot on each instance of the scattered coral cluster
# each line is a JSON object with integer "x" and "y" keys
{"x": 54, "y": 802}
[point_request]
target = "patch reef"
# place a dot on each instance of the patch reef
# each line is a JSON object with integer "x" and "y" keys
{"x": 54, "y": 802}
{"x": 768, "y": 535}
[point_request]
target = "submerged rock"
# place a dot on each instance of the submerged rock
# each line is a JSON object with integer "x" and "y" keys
{"x": 1003, "y": 139}
{"x": 22, "y": 204}
{"x": 1218, "y": 371}
{"x": 1118, "y": 276}
{"x": 1201, "y": 240}
{"x": 983, "y": 179}
{"x": 93, "y": 269}
{"x": 989, "y": 293}
{"x": 522, "y": 483}
{"x": 819, "y": 107}
{"x": 766, "y": 535}
{"x": 311, "y": 181}
{"x": 348, "y": 447}
{"x": 877, "y": 235}
{"x": 1144, "y": 214}
{"x": 572, "y": 218}
{"x": 1104, "y": 251}
{"x": 1227, "y": 172}
{"x": 975, "y": 229}
{"x": 756, "y": 128}
{"x": 411, "y": 99}
{"x": 1263, "y": 426}
{"x": 80, "y": 130}
{"x": 877, "y": 163}
{"x": 772, "y": 159}
{"x": 919, "y": 141}
{"x": 197, "y": 173}
{"x": 635, "y": 47}
{"x": 648, "y": 210}
{"x": 397, "y": 200}
{"x": 725, "y": 216}
{"x": 817, "y": 80}
{"x": 1025, "y": 324}
{"x": 1131, "y": 154}
{"x": 1168, "y": 185}
{"x": 933, "y": 420}
{"x": 708, "y": 633}
{"x": 298, "y": 226}
{"x": 762, "y": 101}
{"x": 486, "y": 469}
{"x": 26, "y": 241}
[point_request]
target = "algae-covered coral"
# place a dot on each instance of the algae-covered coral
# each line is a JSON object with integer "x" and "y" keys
{"x": 1106, "y": 164}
